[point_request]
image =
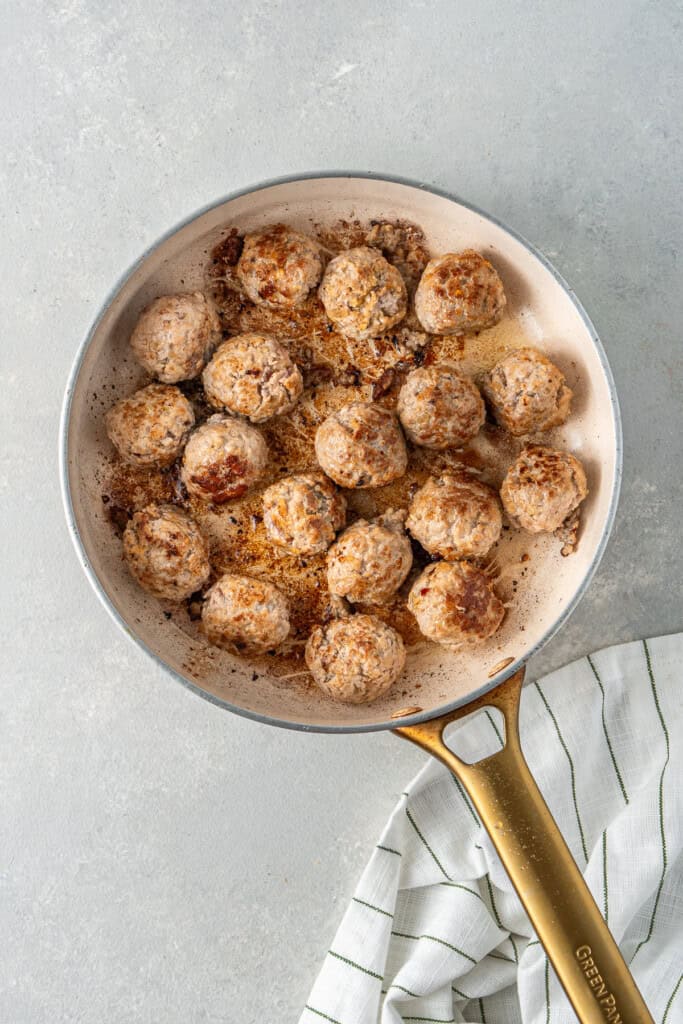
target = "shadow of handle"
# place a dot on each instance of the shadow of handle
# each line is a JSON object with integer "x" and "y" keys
{"x": 548, "y": 882}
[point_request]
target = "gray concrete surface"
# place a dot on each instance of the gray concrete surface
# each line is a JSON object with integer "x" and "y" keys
{"x": 161, "y": 860}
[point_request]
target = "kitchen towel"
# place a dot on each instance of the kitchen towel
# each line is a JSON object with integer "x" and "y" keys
{"x": 435, "y": 933}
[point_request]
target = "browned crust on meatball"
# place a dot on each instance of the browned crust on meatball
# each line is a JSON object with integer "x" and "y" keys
{"x": 455, "y": 516}
{"x": 174, "y": 336}
{"x": 302, "y": 513}
{"x": 223, "y": 459}
{"x": 166, "y": 552}
{"x": 440, "y": 408}
{"x": 355, "y": 659}
{"x": 527, "y": 393}
{"x": 361, "y": 445}
{"x": 279, "y": 267}
{"x": 253, "y": 375}
{"x": 455, "y": 604}
{"x": 459, "y": 292}
{"x": 243, "y": 614}
{"x": 542, "y": 488}
{"x": 223, "y": 481}
{"x": 150, "y": 428}
{"x": 370, "y": 560}
{"x": 363, "y": 294}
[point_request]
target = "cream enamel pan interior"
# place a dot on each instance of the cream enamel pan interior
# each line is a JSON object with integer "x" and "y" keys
{"x": 544, "y": 312}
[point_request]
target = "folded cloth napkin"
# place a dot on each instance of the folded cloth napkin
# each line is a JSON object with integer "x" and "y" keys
{"x": 435, "y": 932}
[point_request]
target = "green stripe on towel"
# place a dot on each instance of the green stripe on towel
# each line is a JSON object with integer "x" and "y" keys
{"x": 660, "y": 801}
{"x": 352, "y": 963}
{"x": 572, "y": 771}
{"x": 604, "y": 729}
{"x": 436, "y": 859}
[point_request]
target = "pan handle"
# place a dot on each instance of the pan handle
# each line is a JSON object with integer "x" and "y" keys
{"x": 548, "y": 882}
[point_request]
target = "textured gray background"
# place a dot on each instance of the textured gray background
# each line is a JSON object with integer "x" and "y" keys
{"x": 161, "y": 860}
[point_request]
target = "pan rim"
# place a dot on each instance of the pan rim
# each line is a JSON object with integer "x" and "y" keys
{"x": 82, "y": 555}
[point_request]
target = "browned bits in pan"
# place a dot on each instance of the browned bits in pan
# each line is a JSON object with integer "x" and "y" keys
{"x": 225, "y": 496}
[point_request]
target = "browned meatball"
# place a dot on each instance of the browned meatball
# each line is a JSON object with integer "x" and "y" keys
{"x": 527, "y": 393}
{"x": 363, "y": 294}
{"x": 253, "y": 375}
{"x": 369, "y": 561}
{"x": 455, "y": 604}
{"x": 355, "y": 659}
{"x": 151, "y": 427}
{"x": 455, "y": 516}
{"x": 175, "y": 335}
{"x": 303, "y": 513}
{"x": 245, "y": 615}
{"x": 440, "y": 408}
{"x": 279, "y": 267}
{"x": 459, "y": 292}
{"x": 361, "y": 445}
{"x": 166, "y": 552}
{"x": 542, "y": 488}
{"x": 223, "y": 459}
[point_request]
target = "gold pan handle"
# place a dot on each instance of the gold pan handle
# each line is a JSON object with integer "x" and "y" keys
{"x": 548, "y": 882}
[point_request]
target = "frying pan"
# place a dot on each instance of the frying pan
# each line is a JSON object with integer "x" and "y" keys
{"x": 439, "y": 686}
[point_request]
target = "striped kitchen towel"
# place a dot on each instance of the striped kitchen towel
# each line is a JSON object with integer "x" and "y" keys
{"x": 435, "y": 934}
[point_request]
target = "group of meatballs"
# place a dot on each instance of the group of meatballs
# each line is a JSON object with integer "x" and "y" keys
{"x": 250, "y": 378}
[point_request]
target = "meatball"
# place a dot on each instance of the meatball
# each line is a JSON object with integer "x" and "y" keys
{"x": 459, "y": 292}
{"x": 223, "y": 459}
{"x": 455, "y": 604}
{"x": 440, "y": 408}
{"x": 361, "y": 445}
{"x": 175, "y": 335}
{"x": 455, "y": 516}
{"x": 542, "y": 488}
{"x": 253, "y": 375}
{"x": 363, "y": 294}
{"x": 166, "y": 552}
{"x": 527, "y": 393}
{"x": 370, "y": 561}
{"x": 355, "y": 659}
{"x": 303, "y": 513}
{"x": 245, "y": 615}
{"x": 151, "y": 427}
{"x": 279, "y": 267}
